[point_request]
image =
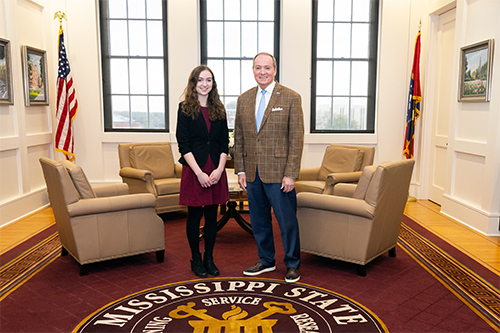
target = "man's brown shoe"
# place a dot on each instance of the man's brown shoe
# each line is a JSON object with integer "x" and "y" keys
{"x": 292, "y": 275}
{"x": 258, "y": 268}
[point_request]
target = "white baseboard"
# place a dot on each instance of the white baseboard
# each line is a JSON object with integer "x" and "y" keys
{"x": 482, "y": 221}
{"x": 13, "y": 210}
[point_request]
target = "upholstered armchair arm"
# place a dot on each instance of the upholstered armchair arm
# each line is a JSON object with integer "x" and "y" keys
{"x": 332, "y": 203}
{"x": 309, "y": 174}
{"x": 129, "y": 172}
{"x": 178, "y": 170}
{"x": 111, "y": 190}
{"x": 344, "y": 190}
{"x": 111, "y": 204}
{"x": 139, "y": 181}
{"x": 340, "y": 177}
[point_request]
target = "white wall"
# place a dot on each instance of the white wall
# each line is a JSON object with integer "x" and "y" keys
{"x": 25, "y": 132}
{"x": 21, "y": 143}
{"x": 473, "y": 163}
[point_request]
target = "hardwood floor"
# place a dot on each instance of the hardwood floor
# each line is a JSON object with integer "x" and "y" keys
{"x": 484, "y": 249}
{"x": 22, "y": 229}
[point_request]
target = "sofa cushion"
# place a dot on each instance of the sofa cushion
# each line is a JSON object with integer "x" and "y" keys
{"x": 167, "y": 186}
{"x": 79, "y": 180}
{"x": 340, "y": 159}
{"x": 156, "y": 158}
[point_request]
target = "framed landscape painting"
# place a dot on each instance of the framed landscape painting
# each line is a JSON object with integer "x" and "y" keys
{"x": 6, "y": 92}
{"x": 475, "y": 72}
{"x": 35, "y": 76}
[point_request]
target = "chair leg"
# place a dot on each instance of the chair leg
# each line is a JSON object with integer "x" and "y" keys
{"x": 64, "y": 252}
{"x": 392, "y": 252}
{"x": 361, "y": 270}
{"x": 84, "y": 270}
{"x": 160, "y": 255}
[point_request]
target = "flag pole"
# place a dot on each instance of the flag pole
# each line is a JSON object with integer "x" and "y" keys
{"x": 60, "y": 15}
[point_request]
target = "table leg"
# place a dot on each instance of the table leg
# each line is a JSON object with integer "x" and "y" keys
{"x": 233, "y": 213}
{"x": 223, "y": 209}
{"x": 243, "y": 224}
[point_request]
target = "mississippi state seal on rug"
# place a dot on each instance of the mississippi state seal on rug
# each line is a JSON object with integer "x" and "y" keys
{"x": 240, "y": 305}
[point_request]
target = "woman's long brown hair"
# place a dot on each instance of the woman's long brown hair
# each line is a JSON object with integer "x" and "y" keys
{"x": 191, "y": 106}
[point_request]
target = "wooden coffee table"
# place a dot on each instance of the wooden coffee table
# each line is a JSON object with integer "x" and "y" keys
{"x": 236, "y": 194}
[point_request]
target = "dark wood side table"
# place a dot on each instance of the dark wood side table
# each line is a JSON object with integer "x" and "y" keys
{"x": 236, "y": 194}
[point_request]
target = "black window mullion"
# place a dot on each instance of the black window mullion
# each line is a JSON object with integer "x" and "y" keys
{"x": 128, "y": 69}
{"x": 147, "y": 62}
{"x": 203, "y": 31}
{"x": 165, "y": 63}
{"x": 258, "y": 28}
{"x": 106, "y": 70}
{"x": 277, "y": 25}
{"x": 129, "y": 96}
{"x": 314, "y": 51}
{"x": 241, "y": 49}
{"x": 372, "y": 65}
{"x": 351, "y": 62}
{"x": 224, "y": 45}
{"x": 350, "y": 91}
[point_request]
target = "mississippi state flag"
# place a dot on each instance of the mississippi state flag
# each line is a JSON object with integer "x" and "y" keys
{"x": 67, "y": 104}
{"x": 414, "y": 99}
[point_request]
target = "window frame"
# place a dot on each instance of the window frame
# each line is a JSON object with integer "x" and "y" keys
{"x": 372, "y": 70}
{"x": 204, "y": 42}
{"x": 106, "y": 71}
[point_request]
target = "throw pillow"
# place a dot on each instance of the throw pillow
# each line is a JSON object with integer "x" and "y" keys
{"x": 79, "y": 180}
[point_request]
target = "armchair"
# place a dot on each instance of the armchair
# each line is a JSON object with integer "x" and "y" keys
{"x": 361, "y": 225}
{"x": 101, "y": 222}
{"x": 150, "y": 168}
{"x": 341, "y": 164}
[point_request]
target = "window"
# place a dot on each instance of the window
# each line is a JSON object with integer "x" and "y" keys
{"x": 232, "y": 33}
{"x": 344, "y": 57}
{"x": 134, "y": 65}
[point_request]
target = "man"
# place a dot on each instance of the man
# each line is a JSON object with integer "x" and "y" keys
{"x": 269, "y": 137}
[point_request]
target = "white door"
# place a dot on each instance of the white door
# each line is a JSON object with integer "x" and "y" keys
{"x": 444, "y": 89}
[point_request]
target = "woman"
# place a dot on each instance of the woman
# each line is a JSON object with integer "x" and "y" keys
{"x": 202, "y": 135}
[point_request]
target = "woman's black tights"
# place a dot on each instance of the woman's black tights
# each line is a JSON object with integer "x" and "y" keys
{"x": 209, "y": 230}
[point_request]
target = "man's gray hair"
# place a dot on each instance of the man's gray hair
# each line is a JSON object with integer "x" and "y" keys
{"x": 268, "y": 54}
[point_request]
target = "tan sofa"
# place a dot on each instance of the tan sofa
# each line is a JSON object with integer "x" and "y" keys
{"x": 363, "y": 223}
{"x": 341, "y": 164}
{"x": 150, "y": 168}
{"x": 101, "y": 222}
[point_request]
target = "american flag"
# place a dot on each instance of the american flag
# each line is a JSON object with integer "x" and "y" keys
{"x": 67, "y": 104}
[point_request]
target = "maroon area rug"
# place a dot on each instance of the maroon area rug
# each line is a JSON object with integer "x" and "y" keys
{"x": 401, "y": 292}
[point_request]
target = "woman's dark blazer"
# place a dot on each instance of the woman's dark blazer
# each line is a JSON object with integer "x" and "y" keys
{"x": 193, "y": 137}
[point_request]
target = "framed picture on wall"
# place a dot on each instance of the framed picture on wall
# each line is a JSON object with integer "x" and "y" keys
{"x": 6, "y": 92}
{"x": 35, "y": 76}
{"x": 475, "y": 72}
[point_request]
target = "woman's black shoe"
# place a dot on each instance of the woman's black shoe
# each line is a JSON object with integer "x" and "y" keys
{"x": 208, "y": 262}
{"x": 197, "y": 266}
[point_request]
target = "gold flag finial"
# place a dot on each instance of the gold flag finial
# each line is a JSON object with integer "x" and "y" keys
{"x": 419, "y": 25}
{"x": 60, "y": 15}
